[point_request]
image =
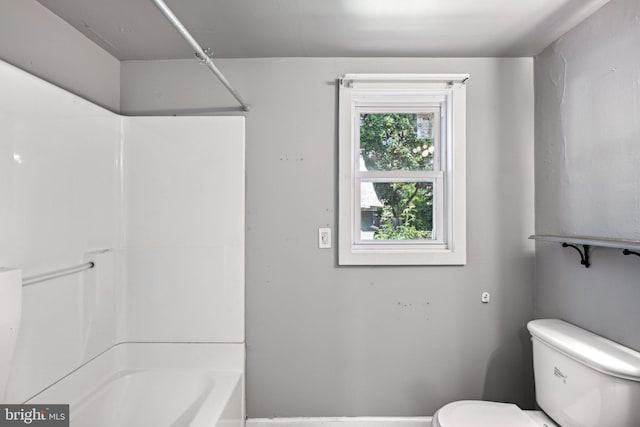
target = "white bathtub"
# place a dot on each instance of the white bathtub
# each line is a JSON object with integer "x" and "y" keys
{"x": 155, "y": 385}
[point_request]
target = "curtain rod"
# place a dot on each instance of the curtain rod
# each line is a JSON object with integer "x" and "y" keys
{"x": 404, "y": 77}
{"x": 200, "y": 53}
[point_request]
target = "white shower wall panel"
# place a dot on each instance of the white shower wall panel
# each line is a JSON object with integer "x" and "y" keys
{"x": 184, "y": 205}
{"x": 178, "y": 223}
{"x": 60, "y": 192}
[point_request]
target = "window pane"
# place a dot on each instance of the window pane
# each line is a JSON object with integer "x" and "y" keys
{"x": 396, "y": 211}
{"x": 397, "y": 141}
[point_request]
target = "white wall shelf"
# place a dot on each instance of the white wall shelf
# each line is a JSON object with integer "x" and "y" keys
{"x": 629, "y": 247}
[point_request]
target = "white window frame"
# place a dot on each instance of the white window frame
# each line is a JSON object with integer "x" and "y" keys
{"x": 363, "y": 93}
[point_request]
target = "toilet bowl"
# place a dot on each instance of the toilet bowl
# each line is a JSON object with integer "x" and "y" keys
{"x": 478, "y": 413}
{"x": 581, "y": 379}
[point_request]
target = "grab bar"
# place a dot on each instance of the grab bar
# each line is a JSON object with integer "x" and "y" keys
{"x": 37, "y": 278}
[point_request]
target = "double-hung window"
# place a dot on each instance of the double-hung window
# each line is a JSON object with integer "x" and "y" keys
{"x": 402, "y": 169}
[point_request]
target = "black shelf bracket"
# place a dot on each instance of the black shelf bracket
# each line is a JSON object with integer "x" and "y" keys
{"x": 584, "y": 253}
{"x": 628, "y": 252}
{"x": 583, "y": 244}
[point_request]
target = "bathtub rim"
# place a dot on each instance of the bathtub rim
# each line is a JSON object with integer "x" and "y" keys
{"x": 222, "y": 359}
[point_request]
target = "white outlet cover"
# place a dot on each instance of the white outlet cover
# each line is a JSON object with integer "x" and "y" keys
{"x": 486, "y": 297}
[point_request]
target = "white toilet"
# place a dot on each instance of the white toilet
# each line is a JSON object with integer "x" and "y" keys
{"x": 582, "y": 380}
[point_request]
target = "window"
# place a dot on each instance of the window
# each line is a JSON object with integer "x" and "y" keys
{"x": 402, "y": 169}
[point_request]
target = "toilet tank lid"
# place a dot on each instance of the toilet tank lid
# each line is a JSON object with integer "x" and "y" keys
{"x": 588, "y": 348}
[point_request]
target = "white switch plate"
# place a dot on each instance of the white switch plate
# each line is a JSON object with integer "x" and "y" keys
{"x": 324, "y": 238}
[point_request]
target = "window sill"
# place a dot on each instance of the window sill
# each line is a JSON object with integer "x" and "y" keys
{"x": 379, "y": 256}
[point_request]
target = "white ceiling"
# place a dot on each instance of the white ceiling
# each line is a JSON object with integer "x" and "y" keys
{"x": 135, "y": 29}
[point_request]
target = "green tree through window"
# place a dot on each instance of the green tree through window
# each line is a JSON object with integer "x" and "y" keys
{"x": 390, "y": 141}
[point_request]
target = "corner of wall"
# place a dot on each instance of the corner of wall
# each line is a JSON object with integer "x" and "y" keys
{"x": 53, "y": 50}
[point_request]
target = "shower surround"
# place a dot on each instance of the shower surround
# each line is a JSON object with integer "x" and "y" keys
{"x": 156, "y": 202}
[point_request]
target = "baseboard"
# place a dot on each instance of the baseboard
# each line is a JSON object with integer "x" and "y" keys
{"x": 340, "y": 422}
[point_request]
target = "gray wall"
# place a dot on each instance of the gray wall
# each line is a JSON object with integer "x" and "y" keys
{"x": 35, "y": 40}
{"x": 325, "y": 340}
{"x": 587, "y": 154}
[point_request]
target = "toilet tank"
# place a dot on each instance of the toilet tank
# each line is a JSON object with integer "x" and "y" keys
{"x": 582, "y": 379}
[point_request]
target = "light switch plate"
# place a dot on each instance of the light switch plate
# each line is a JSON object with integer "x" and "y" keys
{"x": 324, "y": 238}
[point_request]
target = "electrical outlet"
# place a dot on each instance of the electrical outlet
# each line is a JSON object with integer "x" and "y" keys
{"x": 485, "y": 297}
{"x": 324, "y": 238}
